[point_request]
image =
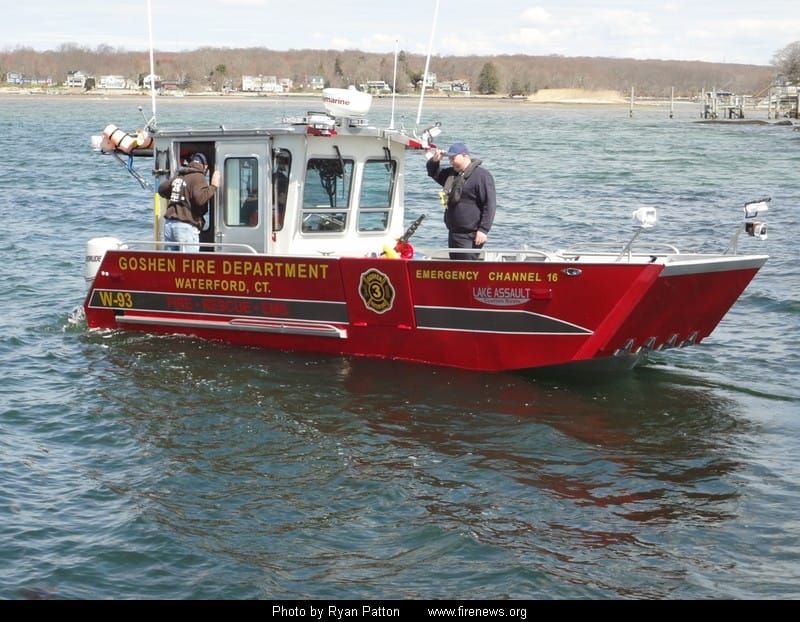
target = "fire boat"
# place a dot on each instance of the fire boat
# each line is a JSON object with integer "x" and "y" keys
{"x": 307, "y": 247}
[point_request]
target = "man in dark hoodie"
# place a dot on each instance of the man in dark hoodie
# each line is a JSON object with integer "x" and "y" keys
{"x": 188, "y": 192}
{"x": 468, "y": 196}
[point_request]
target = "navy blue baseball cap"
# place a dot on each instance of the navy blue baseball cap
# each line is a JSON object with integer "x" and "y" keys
{"x": 199, "y": 157}
{"x": 457, "y": 149}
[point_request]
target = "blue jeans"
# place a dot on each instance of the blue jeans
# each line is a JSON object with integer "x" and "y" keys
{"x": 178, "y": 231}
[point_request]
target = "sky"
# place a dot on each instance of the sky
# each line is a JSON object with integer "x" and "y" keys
{"x": 720, "y": 31}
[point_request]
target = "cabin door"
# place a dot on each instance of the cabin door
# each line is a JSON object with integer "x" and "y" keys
{"x": 243, "y": 198}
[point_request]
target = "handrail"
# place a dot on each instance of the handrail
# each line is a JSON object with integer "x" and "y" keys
{"x": 490, "y": 254}
{"x": 617, "y": 247}
{"x": 519, "y": 254}
{"x": 158, "y": 245}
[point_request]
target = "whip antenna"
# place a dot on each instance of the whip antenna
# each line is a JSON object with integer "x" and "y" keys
{"x": 152, "y": 65}
{"x": 427, "y": 63}
{"x": 394, "y": 86}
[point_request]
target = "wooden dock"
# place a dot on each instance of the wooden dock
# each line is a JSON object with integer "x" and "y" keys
{"x": 723, "y": 105}
{"x": 783, "y": 101}
{"x": 780, "y": 101}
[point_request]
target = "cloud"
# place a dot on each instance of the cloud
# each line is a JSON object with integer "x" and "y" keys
{"x": 245, "y": 3}
{"x": 535, "y": 15}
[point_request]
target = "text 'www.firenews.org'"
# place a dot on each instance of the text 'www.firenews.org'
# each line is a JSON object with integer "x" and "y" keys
{"x": 473, "y": 612}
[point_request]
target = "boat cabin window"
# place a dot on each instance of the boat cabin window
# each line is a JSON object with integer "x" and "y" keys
{"x": 282, "y": 168}
{"x": 241, "y": 192}
{"x": 377, "y": 189}
{"x": 326, "y": 194}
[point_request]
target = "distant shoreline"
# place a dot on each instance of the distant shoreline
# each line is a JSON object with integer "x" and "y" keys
{"x": 554, "y": 98}
{"x": 557, "y": 98}
{"x": 543, "y": 96}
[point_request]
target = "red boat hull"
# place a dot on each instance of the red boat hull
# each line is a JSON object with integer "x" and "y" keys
{"x": 479, "y": 315}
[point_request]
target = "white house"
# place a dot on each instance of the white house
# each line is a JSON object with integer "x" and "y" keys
{"x": 112, "y": 82}
{"x": 375, "y": 87}
{"x": 151, "y": 79}
{"x": 430, "y": 82}
{"x": 454, "y": 85}
{"x": 13, "y": 77}
{"x": 261, "y": 84}
{"x": 316, "y": 82}
{"x": 76, "y": 79}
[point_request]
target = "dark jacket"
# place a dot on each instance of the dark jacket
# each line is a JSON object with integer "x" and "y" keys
{"x": 471, "y": 196}
{"x": 188, "y": 192}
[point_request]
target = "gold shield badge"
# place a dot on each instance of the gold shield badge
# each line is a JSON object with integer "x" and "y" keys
{"x": 376, "y": 291}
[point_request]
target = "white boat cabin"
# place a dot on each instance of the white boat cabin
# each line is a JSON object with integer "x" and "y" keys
{"x": 321, "y": 186}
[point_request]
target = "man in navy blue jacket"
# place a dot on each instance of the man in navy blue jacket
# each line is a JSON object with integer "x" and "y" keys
{"x": 469, "y": 198}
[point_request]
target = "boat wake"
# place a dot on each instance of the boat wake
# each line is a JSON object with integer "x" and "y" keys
{"x": 76, "y": 319}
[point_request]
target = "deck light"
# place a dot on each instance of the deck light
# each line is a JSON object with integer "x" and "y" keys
{"x": 645, "y": 217}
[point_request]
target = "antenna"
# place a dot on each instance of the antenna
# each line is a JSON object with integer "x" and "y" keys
{"x": 427, "y": 63}
{"x": 152, "y": 122}
{"x": 394, "y": 86}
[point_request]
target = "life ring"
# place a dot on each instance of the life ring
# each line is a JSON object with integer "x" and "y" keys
{"x": 122, "y": 141}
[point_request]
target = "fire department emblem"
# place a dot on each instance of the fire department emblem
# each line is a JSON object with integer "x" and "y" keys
{"x": 376, "y": 291}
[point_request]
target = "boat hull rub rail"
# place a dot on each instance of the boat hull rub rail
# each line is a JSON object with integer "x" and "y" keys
{"x": 700, "y": 264}
{"x": 237, "y": 324}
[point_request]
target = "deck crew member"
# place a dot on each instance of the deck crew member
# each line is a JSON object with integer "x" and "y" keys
{"x": 468, "y": 197}
{"x": 188, "y": 192}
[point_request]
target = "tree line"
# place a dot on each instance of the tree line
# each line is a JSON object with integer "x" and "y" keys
{"x": 216, "y": 68}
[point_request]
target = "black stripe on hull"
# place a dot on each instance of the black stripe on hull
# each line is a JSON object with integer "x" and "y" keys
{"x": 494, "y": 321}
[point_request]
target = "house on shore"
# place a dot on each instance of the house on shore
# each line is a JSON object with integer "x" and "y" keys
{"x": 76, "y": 79}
